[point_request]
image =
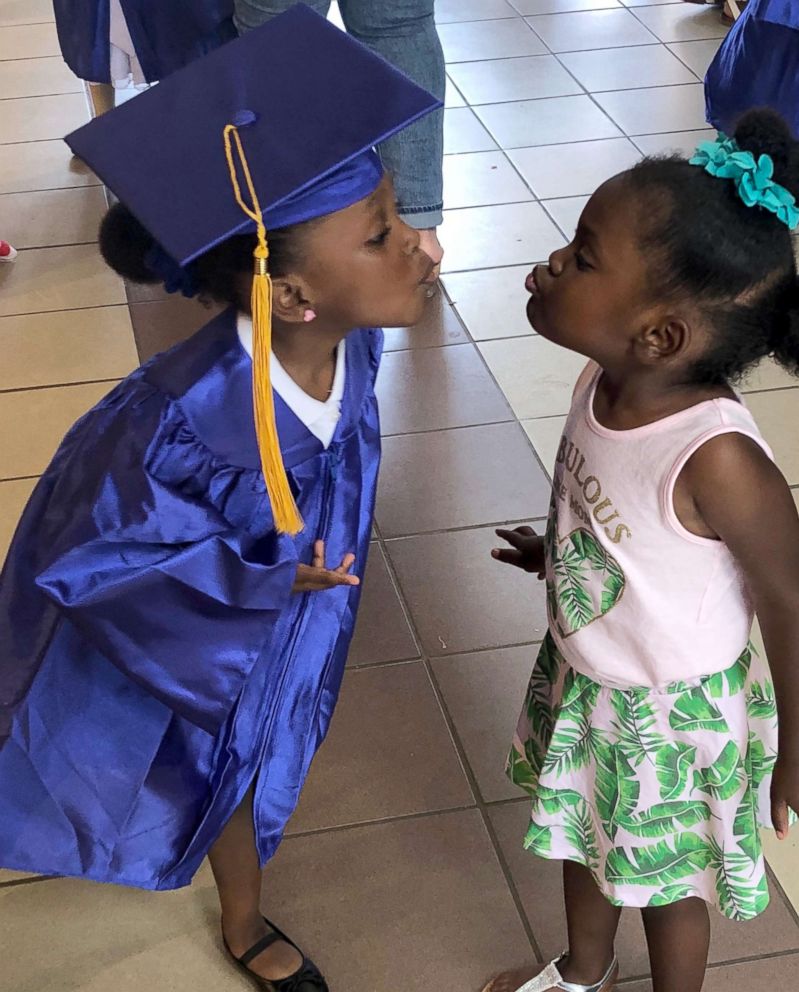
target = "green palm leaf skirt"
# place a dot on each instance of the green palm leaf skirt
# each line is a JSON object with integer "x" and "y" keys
{"x": 660, "y": 793}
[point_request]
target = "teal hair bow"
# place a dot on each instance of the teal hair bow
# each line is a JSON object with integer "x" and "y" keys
{"x": 725, "y": 159}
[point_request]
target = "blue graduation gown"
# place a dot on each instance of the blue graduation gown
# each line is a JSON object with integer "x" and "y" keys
{"x": 167, "y": 34}
{"x": 153, "y": 660}
{"x": 757, "y": 66}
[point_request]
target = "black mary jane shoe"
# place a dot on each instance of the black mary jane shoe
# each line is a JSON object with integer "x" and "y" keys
{"x": 307, "y": 978}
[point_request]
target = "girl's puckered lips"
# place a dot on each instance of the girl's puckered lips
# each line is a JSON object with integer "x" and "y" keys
{"x": 532, "y": 284}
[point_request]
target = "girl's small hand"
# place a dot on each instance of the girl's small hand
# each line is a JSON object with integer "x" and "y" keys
{"x": 784, "y": 794}
{"x": 316, "y": 577}
{"x": 526, "y": 550}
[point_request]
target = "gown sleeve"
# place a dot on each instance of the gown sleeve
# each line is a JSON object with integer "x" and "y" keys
{"x": 187, "y": 623}
{"x": 150, "y": 569}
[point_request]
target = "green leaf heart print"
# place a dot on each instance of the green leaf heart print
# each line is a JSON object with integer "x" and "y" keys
{"x": 661, "y": 794}
{"x": 588, "y": 581}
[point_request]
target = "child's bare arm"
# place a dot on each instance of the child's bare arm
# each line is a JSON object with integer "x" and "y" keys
{"x": 744, "y": 498}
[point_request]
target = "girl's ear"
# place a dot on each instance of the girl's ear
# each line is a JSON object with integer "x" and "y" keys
{"x": 663, "y": 339}
{"x": 290, "y": 299}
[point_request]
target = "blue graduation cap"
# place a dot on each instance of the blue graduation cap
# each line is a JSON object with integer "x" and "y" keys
{"x": 275, "y": 128}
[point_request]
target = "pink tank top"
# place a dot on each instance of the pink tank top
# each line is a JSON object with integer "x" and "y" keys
{"x": 634, "y": 599}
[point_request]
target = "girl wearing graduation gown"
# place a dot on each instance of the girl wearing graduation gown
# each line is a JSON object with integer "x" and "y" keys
{"x": 105, "y": 41}
{"x": 757, "y": 66}
{"x": 170, "y": 652}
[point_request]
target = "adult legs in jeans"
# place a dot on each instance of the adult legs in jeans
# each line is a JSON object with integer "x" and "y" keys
{"x": 404, "y": 33}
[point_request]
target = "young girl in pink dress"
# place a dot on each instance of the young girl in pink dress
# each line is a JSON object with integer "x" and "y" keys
{"x": 649, "y": 737}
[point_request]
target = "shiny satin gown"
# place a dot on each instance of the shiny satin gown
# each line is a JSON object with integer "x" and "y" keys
{"x": 167, "y": 34}
{"x": 153, "y": 661}
{"x": 757, "y": 66}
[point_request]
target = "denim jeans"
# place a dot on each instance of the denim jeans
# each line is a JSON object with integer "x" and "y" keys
{"x": 404, "y": 33}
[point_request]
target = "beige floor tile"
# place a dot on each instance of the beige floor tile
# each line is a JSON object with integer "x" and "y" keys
{"x": 777, "y": 414}
{"x": 481, "y": 179}
{"x": 382, "y": 633}
{"x": 437, "y": 389}
{"x": 546, "y": 122}
{"x": 452, "y": 97}
{"x": 769, "y": 973}
{"x": 515, "y": 234}
{"x": 38, "y": 118}
{"x": 566, "y": 212}
{"x": 536, "y": 376}
{"x": 477, "y": 40}
{"x": 682, "y": 143}
{"x": 562, "y": 6}
{"x": 58, "y": 279}
{"x": 410, "y": 906}
{"x": 28, "y": 41}
{"x": 545, "y": 433}
{"x": 52, "y": 217}
{"x": 697, "y": 55}
{"x": 36, "y": 165}
{"x": 511, "y": 610}
{"x": 26, "y": 12}
{"x": 657, "y": 110}
{"x": 463, "y": 132}
{"x": 623, "y": 68}
{"x": 767, "y": 375}
{"x": 491, "y": 302}
{"x": 13, "y": 497}
{"x": 5, "y": 875}
{"x": 449, "y": 11}
{"x": 429, "y": 482}
{"x": 783, "y": 857}
{"x": 41, "y": 418}
{"x": 484, "y": 694}
{"x": 37, "y": 77}
{"x": 501, "y": 80}
{"x": 377, "y": 763}
{"x": 575, "y": 32}
{"x": 47, "y": 349}
{"x": 101, "y": 937}
{"x": 590, "y": 164}
{"x": 682, "y": 22}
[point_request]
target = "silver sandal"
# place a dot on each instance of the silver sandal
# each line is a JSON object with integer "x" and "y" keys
{"x": 551, "y": 978}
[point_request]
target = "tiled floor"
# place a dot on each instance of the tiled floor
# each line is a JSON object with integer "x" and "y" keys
{"x": 403, "y": 868}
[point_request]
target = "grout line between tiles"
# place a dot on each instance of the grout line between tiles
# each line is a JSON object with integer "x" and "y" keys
{"x": 20, "y": 478}
{"x": 371, "y": 665}
{"x": 60, "y": 385}
{"x": 583, "y": 91}
{"x": 31, "y": 880}
{"x": 456, "y": 427}
{"x": 517, "y": 522}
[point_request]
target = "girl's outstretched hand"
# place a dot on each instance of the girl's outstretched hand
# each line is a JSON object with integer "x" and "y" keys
{"x": 316, "y": 577}
{"x": 526, "y": 550}
{"x": 784, "y": 794}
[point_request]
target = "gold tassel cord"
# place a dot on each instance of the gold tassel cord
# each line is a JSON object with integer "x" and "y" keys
{"x": 284, "y": 509}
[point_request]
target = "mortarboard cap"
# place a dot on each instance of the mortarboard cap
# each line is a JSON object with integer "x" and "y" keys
{"x": 273, "y": 129}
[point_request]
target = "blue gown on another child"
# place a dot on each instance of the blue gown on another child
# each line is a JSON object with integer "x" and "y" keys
{"x": 147, "y": 598}
{"x": 167, "y": 34}
{"x": 757, "y": 66}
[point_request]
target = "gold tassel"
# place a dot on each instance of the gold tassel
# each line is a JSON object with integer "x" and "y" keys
{"x": 284, "y": 509}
